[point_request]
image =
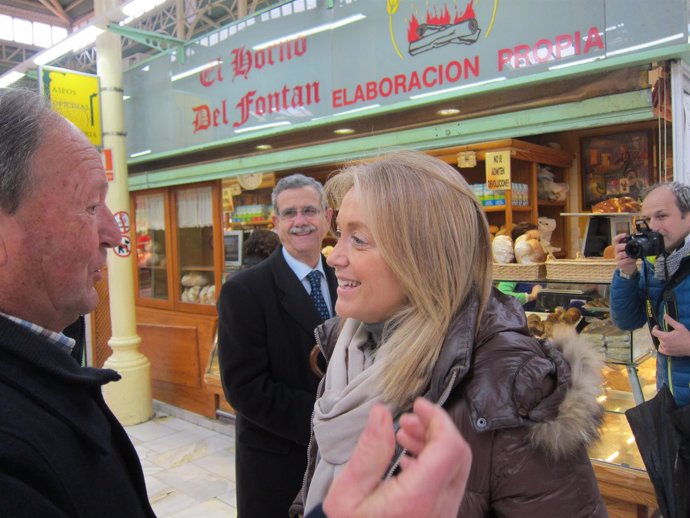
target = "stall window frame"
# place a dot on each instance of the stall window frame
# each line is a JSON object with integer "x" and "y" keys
{"x": 174, "y": 302}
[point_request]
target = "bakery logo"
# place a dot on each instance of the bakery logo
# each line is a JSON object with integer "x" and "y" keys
{"x": 439, "y": 28}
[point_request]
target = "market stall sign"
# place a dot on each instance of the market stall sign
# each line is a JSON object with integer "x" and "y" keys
{"x": 76, "y": 97}
{"x": 498, "y": 170}
{"x": 303, "y": 62}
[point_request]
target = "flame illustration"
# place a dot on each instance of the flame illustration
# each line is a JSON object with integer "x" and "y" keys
{"x": 436, "y": 18}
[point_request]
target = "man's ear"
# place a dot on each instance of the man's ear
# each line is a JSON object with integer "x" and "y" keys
{"x": 5, "y": 226}
{"x": 3, "y": 249}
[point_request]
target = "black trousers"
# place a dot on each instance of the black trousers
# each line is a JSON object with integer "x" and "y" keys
{"x": 267, "y": 482}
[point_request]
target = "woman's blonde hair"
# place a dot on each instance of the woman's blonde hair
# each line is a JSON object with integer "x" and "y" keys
{"x": 433, "y": 234}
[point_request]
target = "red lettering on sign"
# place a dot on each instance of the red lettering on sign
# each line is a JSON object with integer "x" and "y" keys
{"x": 206, "y": 76}
{"x": 545, "y": 50}
{"x": 244, "y": 60}
{"x": 399, "y": 84}
{"x": 273, "y": 102}
{"x": 204, "y": 117}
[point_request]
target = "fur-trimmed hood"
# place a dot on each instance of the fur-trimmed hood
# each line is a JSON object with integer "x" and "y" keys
{"x": 510, "y": 379}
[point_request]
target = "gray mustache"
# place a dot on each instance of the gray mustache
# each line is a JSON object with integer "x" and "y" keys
{"x": 302, "y": 229}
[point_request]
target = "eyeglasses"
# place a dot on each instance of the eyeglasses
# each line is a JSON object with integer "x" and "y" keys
{"x": 308, "y": 212}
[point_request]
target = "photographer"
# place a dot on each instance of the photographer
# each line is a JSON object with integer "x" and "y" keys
{"x": 663, "y": 284}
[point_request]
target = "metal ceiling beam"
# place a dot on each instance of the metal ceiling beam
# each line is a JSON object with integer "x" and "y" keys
{"x": 165, "y": 29}
{"x": 54, "y": 7}
{"x": 42, "y": 16}
{"x": 155, "y": 40}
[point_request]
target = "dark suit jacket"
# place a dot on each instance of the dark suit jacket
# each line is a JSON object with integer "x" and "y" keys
{"x": 265, "y": 334}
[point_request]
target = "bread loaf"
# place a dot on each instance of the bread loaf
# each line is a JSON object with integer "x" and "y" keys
{"x": 528, "y": 249}
{"x": 502, "y": 248}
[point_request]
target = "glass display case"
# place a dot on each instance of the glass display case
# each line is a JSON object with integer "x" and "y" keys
{"x": 629, "y": 373}
{"x": 617, "y": 444}
{"x": 195, "y": 247}
{"x": 152, "y": 263}
{"x": 179, "y": 249}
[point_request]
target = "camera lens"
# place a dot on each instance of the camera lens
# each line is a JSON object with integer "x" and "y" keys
{"x": 635, "y": 248}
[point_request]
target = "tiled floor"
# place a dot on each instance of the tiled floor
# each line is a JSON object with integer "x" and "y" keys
{"x": 189, "y": 464}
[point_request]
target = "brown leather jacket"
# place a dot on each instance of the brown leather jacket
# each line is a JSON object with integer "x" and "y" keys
{"x": 527, "y": 408}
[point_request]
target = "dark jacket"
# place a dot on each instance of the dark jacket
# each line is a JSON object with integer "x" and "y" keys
{"x": 265, "y": 335}
{"x": 628, "y": 311}
{"x": 62, "y": 452}
{"x": 527, "y": 419}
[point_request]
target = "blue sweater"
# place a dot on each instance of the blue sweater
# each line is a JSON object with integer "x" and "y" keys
{"x": 628, "y": 311}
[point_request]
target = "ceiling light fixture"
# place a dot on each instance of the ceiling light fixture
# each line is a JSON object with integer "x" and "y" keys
{"x": 73, "y": 43}
{"x": 264, "y": 147}
{"x": 344, "y": 131}
{"x": 9, "y": 78}
{"x": 194, "y": 70}
{"x": 447, "y": 112}
{"x": 137, "y": 8}
{"x": 455, "y": 88}
{"x": 311, "y": 31}
{"x": 140, "y": 153}
{"x": 263, "y": 126}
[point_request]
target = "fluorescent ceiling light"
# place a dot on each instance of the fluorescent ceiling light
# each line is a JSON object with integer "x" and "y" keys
{"x": 263, "y": 126}
{"x": 575, "y": 63}
{"x": 312, "y": 30}
{"x": 363, "y": 108}
{"x": 447, "y": 112}
{"x": 137, "y": 8}
{"x": 439, "y": 92}
{"x": 344, "y": 131}
{"x": 76, "y": 41}
{"x": 9, "y": 78}
{"x": 193, "y": 71}
{"x": 140, "y": 153}
{"x": 347, "y": 112}
{"x": 644, "y": 45}
{"x": 264, "y": 147}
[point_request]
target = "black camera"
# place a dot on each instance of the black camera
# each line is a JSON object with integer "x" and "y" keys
{"x": 644, "y": 243}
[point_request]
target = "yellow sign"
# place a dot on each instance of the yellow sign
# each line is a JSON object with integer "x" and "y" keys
{"x": 498, "y": 170}
{"x": 75, "y": 96}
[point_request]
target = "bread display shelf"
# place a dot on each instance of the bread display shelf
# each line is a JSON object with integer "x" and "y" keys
{"x": 580, "y": 270}
{"x": 519, "y": 272}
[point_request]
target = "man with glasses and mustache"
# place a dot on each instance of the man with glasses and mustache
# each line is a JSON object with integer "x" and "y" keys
{"x": 266, "y": 320}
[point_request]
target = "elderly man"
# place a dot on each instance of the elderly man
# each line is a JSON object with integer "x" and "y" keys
{"x": 62, "y": 452}
{"x": 266, "y": 320}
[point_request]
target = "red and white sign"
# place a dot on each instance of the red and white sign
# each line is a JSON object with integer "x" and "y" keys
{"x": 124, "y": 248}
{"x": 107, "y": 156}
{"x": 122, "y": 220}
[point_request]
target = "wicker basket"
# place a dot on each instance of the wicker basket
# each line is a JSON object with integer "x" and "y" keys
{"x": 519, "y": 272}
{"x": 582, "y": 270}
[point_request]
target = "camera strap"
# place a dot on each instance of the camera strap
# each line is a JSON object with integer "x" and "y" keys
{"x": 667, "y": 298}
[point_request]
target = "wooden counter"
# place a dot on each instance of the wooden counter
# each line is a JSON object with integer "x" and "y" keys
{"x": 628, "y": 493}
{"x": 178, "y": 345}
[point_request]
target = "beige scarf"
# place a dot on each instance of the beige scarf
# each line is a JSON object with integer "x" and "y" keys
{"x": 351, "y": 388}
